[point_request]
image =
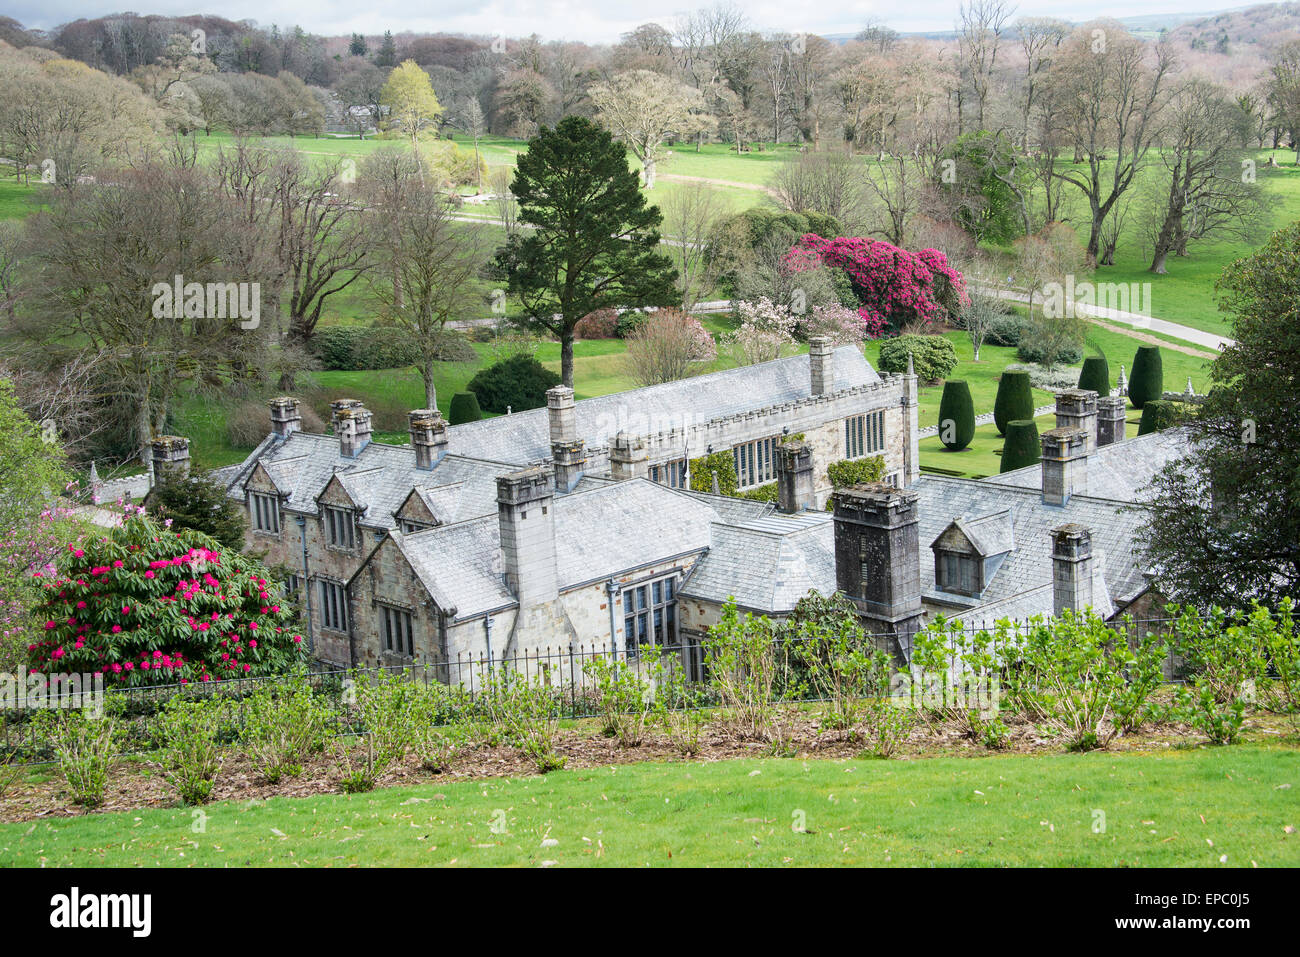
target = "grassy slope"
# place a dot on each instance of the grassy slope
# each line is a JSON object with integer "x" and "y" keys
{"x": 1188, "y": 808}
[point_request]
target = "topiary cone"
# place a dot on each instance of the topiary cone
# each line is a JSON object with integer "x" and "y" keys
{"x": 1021, "y": 447}
{"x": 1014, "y": 400}
{"x": 464, "y": 408}
{"x": 956, "y": 415}
{"x": 1095, "y": 375}
{"x": 1147, "y": 381}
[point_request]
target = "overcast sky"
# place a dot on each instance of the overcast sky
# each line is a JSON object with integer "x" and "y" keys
{"x": 592, "y": 21}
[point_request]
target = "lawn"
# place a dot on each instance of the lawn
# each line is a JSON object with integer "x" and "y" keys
{"x": 1193, "y": 807}
{"x": 18, "y": 200}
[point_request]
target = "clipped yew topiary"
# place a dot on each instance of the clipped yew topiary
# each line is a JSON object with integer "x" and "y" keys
{"x": 1021, "y": 447}
{"x": 1147, "y": 382}
{"x": 464, "y": 408}
{"x": 1015, "y": 400}
{"x": 1095, "y": 375}
{"x": 956, "y": 415}
{"x": 1158, "y": 414}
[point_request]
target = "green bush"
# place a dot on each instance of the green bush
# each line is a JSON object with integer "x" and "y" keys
{"x": 362, "y": 348}
{"x": 464, "y": 408}
{"x": 848, "y": 472}
{"x": 1147, "y": 381}
{"x": 1095, "y": 375}
{"x": 283, "y": 725}
{"x": 86, "y": 749}
{"x": 763, "y": 493}
{"x": 1015, "y": 400}
{"x": 190, "y": 755}
{"x": 1021, "y": 447}
{"x": 517, "y": 383}
{"x": 702, "y": 469}
{"x": 956, "y": 415}
{"x": 1005, "y": 330}
{"x": 1157, "y": 414}
{"x": 629, "y": 322}
{"x": 933, "y": 357}
{"x": 1037, "y": 351}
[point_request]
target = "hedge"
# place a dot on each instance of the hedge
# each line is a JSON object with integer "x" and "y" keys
{"x": 956, "y": 415}
{"x": 513, "y": 384}
{"x": 1021, "y": 447}
{"x": 464, "y": 408}
{"x": 1157, "y": 414}
{"x": 363, "y": 348}
{"x": 1148, "y": 379}
{"x": 1015, "y": 400}
{"x": 1095, "y": 375}
{"x": 933, "y": 357}
{"x": 702, "y": 469}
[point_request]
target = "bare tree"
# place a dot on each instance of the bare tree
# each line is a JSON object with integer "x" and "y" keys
{"x": 432, "y": 265}
{"x": 1206, "y": 190}
{"x": 507, "y": 205}
{"x": 828, "y": 183}
{"x": 643, "y": 109}
{"x": 980, "y": 28}
{"x": 664, "y": 347}
{"x": 692, "y": 213}
{"x": 1109, "y": 98}
{"x": 1039, "y": 38}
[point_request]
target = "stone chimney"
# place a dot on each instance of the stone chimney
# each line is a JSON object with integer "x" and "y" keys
{"x": 1071, "y": 568}
{"x": 627, "y": 457}
{"x": 526, "y": 514}
{"x": 1077, "y": 409}
{"x": 351, "y": 422}
{"x": 1111, "y": 413}
{"x": 567, "y": 450}
{"x": 1065, "y": 465}
{"x": 428, "y": 437}
{"x": 821, "y": 363}
{"x": 794, "y": 477}
{"x": 285, "y": 417}
{"x": 171, "y": 457}
{"x": 878, "y": 559}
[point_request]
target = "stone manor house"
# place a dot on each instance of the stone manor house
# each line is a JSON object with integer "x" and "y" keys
{"x": 571, "y": 526}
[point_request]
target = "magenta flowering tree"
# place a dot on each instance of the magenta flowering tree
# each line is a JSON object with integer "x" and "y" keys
{"x": 143, "y": 604}
{"x": 893, "y": 286}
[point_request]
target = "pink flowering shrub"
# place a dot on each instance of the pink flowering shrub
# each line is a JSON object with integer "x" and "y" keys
{"x": 143, "y": 604}
{"x": 840, "y": 324}
{"x": 766, "y": 331}
{"x": 894, "y": 286}
{"x": 30, "y": 548}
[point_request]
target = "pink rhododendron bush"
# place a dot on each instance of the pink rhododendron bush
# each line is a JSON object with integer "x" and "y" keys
{"x": 895, "y": 287}
{"x": 146, "y": 605}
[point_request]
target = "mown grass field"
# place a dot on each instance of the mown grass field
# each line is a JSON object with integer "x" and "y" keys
{"x": 1194, "y": 807}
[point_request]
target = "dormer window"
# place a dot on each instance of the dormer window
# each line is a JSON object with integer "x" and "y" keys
{"x": 957, "y": 573}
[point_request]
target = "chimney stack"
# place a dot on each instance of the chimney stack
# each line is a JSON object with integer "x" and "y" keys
{"x": 171, "y": 457}
{"x": 821, "y": 363}
{"x": 351, "y": 422}
{"x": 428, "y": 437}
{"x": 1077, "y": 409}
{"x": 526, "y": 514}
{"x": 627, "y": 457}
{"x": 1111, "y": 413}
{"x": 878, "y": 559}
{"x": 567, "y": 450}
{"x": 794, "y": 477}
{"x": 285, "y": 417}
{"x": 1065, "y": 465}
{"x": 1071, "y": 568}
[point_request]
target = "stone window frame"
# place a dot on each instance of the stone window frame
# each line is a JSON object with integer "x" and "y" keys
{"x": 264, "y": 505}
{"x": 405, "y": 619}
{"x": 862, "y": 438}
{"x": 967, "y": 564}
{"x": 338, "y": 621}
{"x": 331, "y": 518}
{"x": 671, "y": 582}
{"x": 755, "y": 461}
{"x": 671, "y": 473}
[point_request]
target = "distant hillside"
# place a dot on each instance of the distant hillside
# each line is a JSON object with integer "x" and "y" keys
{"x": 1264, "y": 25}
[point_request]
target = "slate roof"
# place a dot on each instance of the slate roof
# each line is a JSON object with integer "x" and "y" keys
{"x": 1028, "y": 566}
{"x": 1118, "y": 471}
{"x": 767, "y": 564}
{"x": 989, "y": 535}
{"x": 603, "y": 531}
{"x": 524, "y": 437}
{"x": 378, "y": 479}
